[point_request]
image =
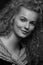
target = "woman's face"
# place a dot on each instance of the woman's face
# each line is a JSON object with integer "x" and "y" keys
{"x": 24, "y": 22}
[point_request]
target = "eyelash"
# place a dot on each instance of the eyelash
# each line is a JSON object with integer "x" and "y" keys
{"x": 23, "y": 20}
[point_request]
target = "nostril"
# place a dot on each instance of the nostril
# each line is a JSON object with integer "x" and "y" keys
{"x": 27, "y": 28}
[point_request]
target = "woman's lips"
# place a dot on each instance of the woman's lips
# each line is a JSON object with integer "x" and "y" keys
{"x": 24, "y": 32}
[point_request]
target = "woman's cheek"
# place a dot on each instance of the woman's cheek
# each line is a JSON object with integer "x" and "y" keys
{"x": 19, "y": 23}
{"x": 32, "y": 28}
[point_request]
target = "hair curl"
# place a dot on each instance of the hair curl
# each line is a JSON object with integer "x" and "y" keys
{"x": 12, "y": 8}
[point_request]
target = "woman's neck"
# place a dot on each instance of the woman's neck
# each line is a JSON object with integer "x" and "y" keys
{"x": 11, "y": 42}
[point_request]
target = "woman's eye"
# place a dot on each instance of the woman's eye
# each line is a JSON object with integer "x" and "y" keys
{"x": 23, "y": 20}
{"x": 32, "y": 23}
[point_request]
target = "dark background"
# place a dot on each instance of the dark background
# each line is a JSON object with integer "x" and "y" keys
{"x": 3, "y": 3}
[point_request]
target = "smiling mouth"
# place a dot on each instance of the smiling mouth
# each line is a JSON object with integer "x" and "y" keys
{"x": 25, "y": 32}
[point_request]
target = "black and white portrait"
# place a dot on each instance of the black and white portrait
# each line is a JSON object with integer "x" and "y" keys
{"x": 21, "y": 32}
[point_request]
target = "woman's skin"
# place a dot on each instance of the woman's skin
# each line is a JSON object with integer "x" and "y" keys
{"x": 24, "y": 24}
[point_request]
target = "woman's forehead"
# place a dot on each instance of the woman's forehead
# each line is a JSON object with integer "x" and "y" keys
{"x": 28, "y": 13}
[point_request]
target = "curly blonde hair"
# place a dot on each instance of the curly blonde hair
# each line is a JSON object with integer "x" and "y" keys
{"x": 12, "y": 8}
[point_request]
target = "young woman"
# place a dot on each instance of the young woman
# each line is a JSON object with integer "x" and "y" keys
{"x": 20, "y": 26}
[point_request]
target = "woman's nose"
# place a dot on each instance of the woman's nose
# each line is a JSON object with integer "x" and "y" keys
{"x": 27, "y": 26}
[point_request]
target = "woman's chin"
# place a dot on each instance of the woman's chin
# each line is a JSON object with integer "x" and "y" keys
{"x": 23, "y": 36}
